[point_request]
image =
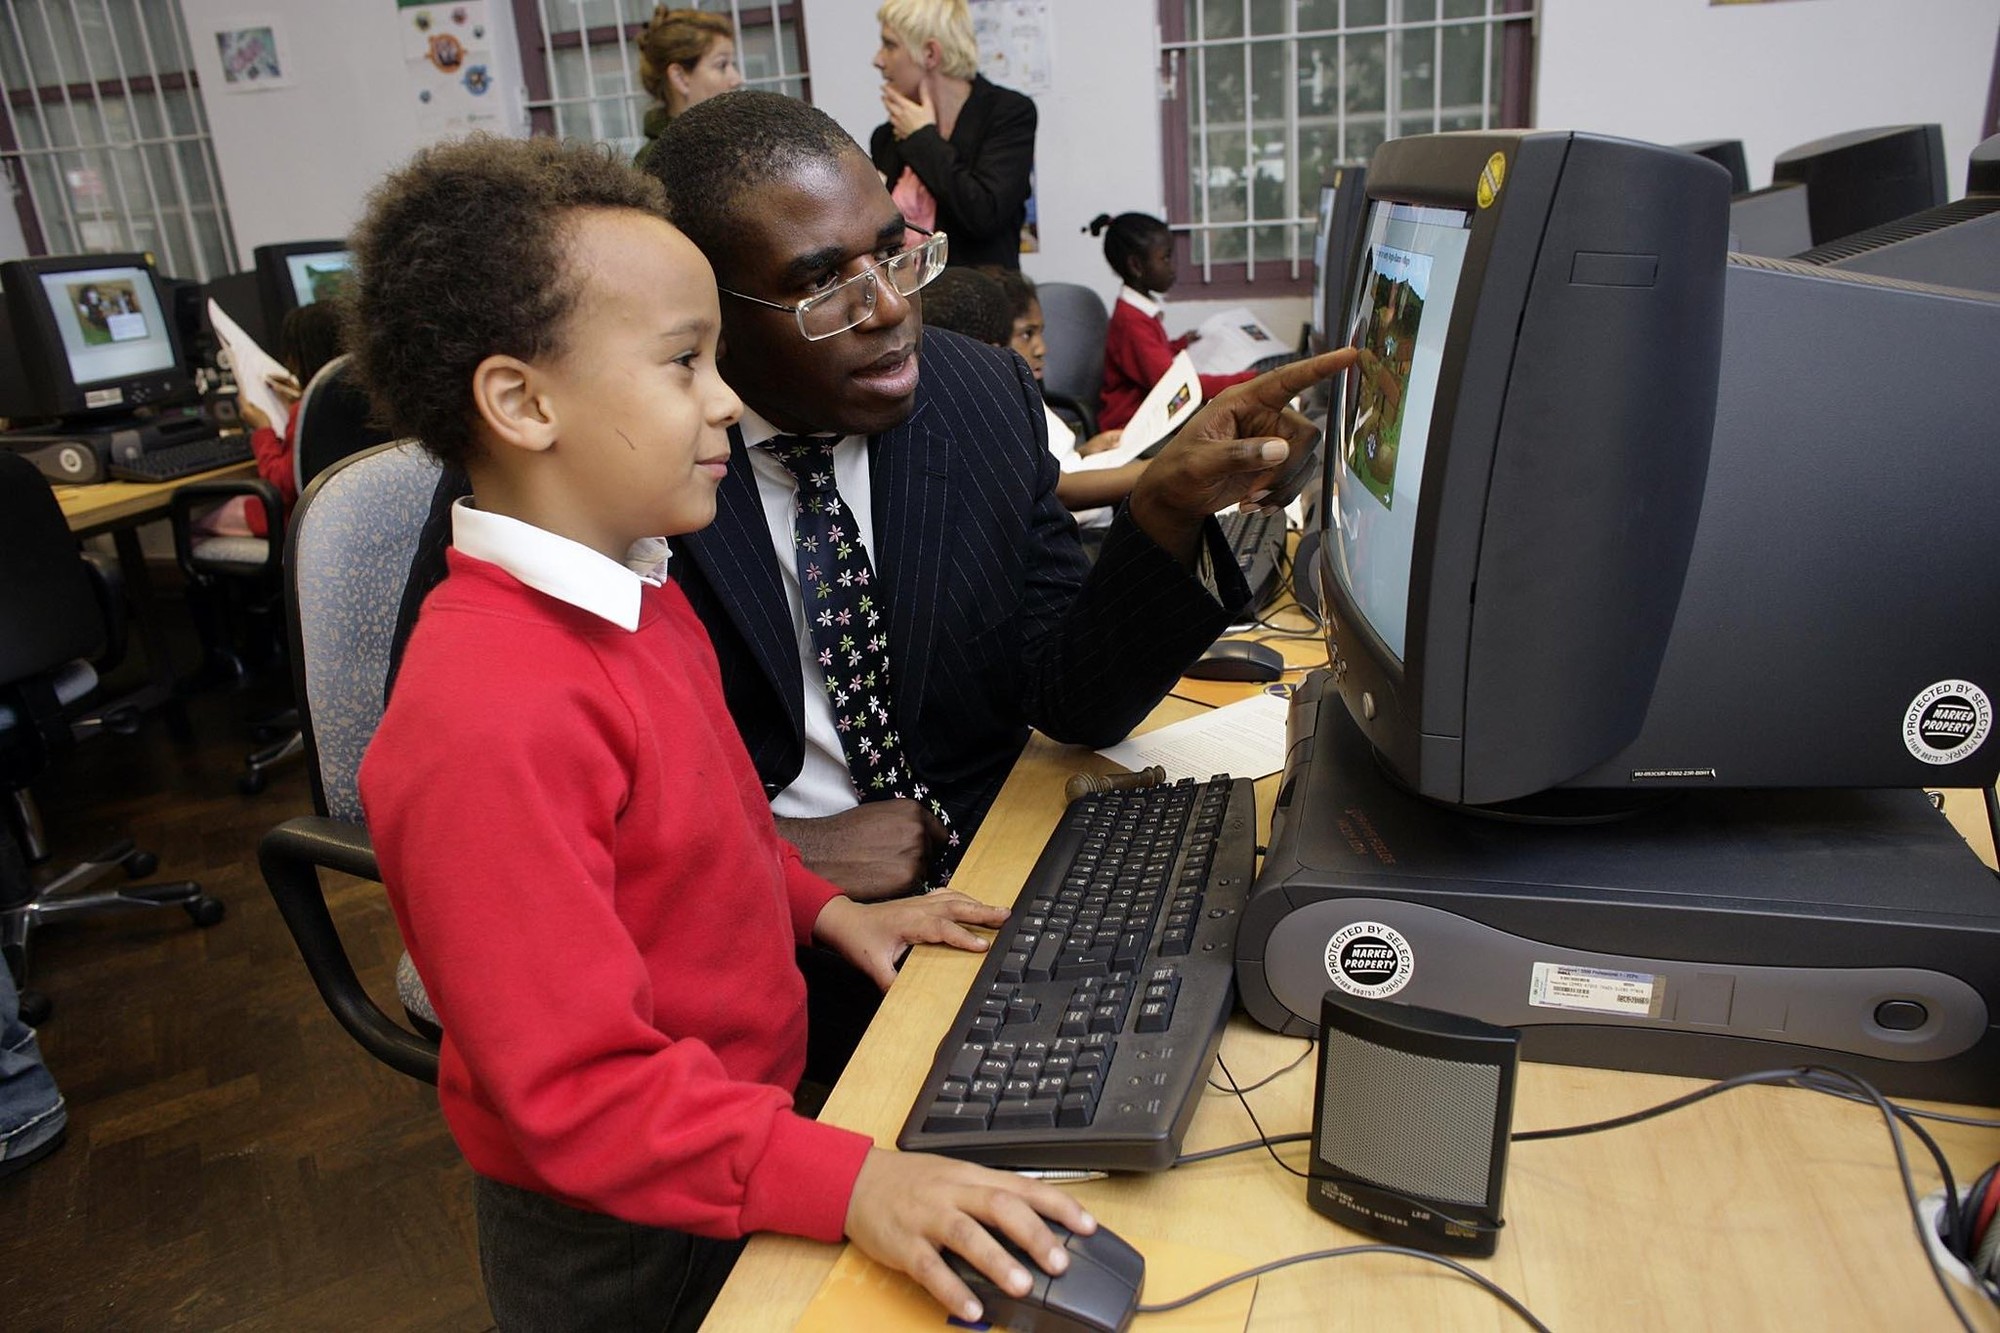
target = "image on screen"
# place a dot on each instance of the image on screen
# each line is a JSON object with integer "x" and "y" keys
{"x": 316, "y": 277}
{"x": 1402, "y": 311}
{"x": 110, "y": 323}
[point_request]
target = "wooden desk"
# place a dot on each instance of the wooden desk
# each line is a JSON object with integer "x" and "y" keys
{"x": 1763, "y": 1208}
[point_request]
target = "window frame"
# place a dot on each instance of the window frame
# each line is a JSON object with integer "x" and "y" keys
{"x": 538, "y": 53}
{"x": 1513, "y": 22}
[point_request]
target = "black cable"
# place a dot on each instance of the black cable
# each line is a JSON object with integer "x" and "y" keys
{"x": 1492, "y": 1288}
{"x": 1268, "y": 1078}
{"x": 1208, "y": 1154}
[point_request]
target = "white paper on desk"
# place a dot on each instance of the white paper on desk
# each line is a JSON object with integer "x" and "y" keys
{"x": 1245, "y": 739}
{"x": 1169, "y": 403}
{"x": 1231, "y": 341}
{"x": 252, "y": 367}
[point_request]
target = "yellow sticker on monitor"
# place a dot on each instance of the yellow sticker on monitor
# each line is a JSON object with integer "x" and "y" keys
{"x": 1491, "y": 178}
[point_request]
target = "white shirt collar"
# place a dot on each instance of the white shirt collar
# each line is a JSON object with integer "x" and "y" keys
{"x": 756, "y": 430}
{"x": 1141, "y": 302}
{"x": 566, "y": 570}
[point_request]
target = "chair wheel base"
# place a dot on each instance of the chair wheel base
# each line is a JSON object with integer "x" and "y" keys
{"x": 206, "y": 911}
{"x": 252, "y": 783}
{"x": 138, "y": 865}
{"x": 35, "y": 1008}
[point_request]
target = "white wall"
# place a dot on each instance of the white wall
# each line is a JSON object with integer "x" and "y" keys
{"x": 1773, "y": 75}
{"x": 297, "y": 160}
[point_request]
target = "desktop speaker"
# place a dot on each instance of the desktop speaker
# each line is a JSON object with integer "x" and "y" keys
{"x": 1411, "y": 1117}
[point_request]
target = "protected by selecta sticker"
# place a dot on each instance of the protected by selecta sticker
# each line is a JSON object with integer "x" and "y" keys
{"x": 1369, "y": 959}
{"x": 1947, "y": 722}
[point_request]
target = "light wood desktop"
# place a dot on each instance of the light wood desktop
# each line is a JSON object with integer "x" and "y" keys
{"x": 1763, "y": 1208}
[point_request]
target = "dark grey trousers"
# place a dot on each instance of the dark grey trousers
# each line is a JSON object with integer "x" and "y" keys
{"x": 550, "y": 1268}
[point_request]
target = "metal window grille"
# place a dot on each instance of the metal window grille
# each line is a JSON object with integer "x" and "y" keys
{"x": 104, "y": 135}
{"x": 582, "y": 61}
{"x": 1262, "y": 97}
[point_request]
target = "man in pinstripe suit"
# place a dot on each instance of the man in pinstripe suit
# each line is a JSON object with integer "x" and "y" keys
{"x": 997, "y": 623}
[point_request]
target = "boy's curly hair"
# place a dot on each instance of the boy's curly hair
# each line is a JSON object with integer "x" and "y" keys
{"x": 461, "y": 256}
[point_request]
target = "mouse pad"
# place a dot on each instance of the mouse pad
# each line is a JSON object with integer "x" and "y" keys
{"x": 860, "y": 1293}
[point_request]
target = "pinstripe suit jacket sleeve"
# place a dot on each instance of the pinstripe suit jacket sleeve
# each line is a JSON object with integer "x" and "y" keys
{"x": 997, "y": 621}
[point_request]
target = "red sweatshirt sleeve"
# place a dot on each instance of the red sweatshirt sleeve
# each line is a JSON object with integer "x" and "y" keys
{"x": 808, "y": 893}
{"x": 493, "y": 789}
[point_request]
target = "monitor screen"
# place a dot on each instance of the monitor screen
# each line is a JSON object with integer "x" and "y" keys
{"x": 111, "y": 323}
{"x": 316, "y": 276}
{"x": 1402, "y": 310}
{"x": 1322, "y": 232}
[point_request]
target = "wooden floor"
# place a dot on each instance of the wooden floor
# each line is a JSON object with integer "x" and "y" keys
{"x": 234, "y": 1161}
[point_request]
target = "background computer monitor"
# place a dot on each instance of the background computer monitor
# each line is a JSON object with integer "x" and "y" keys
{"x": 94, "y": 336}
{"x": 1727, "y": 154}
{"x": 1343, "y": 204}
{"x": 1864, "y": 178}
{"x": 1610, "y": 511}
{"x": 1953, "y": 245}
{"x": 297, "y": 273}
{"x": 1774, "y": 222}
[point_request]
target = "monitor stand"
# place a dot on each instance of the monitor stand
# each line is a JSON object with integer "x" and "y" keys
{"x": 1726, "y": 932}
{"x": 81, "y": 451}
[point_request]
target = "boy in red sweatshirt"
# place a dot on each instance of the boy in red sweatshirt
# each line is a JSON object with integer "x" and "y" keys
{"x": 577, "y": 848}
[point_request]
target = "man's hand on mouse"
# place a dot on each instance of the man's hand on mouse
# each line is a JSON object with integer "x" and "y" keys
{"x": 907, "y": 1206}
{"x": 1231, "y": 451}
{"x": 873, "y": 851}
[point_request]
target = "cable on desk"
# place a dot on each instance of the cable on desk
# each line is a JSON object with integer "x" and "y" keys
{"x": 1492, "y": 1288}
{"x": 1311, "y": 1046}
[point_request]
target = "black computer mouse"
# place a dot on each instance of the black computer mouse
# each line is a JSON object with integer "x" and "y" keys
{"x": 1238, "y": 659}
{"x": 1098, "y": 1293}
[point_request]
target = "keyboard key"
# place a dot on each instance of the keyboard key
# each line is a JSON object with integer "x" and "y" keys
{"x": 956, "y": 1117}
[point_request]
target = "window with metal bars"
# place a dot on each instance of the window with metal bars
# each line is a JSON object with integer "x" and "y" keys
{"x": 1262, "y": 97}
{"x": 581, "y": 59}
{"x": 104, "y": 135}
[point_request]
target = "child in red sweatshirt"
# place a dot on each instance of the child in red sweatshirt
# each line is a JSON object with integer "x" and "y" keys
{"x": 1137, "y": 351}
{"x": 577, "y": 848}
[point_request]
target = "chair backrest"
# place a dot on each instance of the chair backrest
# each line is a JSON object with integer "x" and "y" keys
{"x": 49, "y": 615}
{"x": 1073, "y": 323}
{"x": 333, "y": 421}
{"x": 346, "y": 560}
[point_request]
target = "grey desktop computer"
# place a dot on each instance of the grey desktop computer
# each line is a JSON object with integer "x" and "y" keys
{"x": 1656, "y": 589}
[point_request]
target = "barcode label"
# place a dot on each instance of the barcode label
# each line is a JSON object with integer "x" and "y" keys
{"x": 1596, "y": 990}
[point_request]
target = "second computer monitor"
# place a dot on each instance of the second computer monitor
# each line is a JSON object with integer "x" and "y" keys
{"x": 94, "y": 335}
{"x": 298, "y": 273}
{"x": 1864, "y": 178}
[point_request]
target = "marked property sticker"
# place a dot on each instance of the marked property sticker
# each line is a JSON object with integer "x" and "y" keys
{"x": 1369, "y": 959}
{"x": 1596, "y": 990}
{"x": 1947, "y": 722}
{"x": 1491, "y": 177}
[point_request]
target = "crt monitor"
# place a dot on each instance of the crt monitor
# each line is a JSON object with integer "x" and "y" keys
{"x": 1727, "y": 154}
{"x": 1864, "y": 178}
{"x": 297, "y": 273}
{"x": 1343, "y": 202}
{"x": 1953, "y": 245}
{"x": 1612, "y": 511}
{"x": 94, "y": 334}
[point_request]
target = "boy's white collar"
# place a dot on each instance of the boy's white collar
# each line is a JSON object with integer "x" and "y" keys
{"x": 566, "y": 570}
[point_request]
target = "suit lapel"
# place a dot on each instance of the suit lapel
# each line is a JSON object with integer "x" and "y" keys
{"x": 737, "y": 558}
{"x": 908, "y": 468}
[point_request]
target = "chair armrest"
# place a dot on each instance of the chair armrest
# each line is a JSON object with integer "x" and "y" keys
{"x": 199, "y": 494}
{"x": 291, "y": 857}
{"x": 1077, "y": 408}
{"x": 108, "y": 582}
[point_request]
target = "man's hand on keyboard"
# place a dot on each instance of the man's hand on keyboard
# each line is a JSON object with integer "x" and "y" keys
{"x": 906, "y": 1206}
{"x": 874, "y": 936}
{"x": 877, "y": 850}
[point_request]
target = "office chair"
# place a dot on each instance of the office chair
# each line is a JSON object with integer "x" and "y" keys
{"x": 60, "y": 619}
{"x": 1073, "y": 323}
{"x": 347, "y": 557}
{"x": 333, "y": 423}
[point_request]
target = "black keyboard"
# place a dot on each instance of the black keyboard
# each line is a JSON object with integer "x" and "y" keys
{"x": 1096, "y": 1015}
{"x": 174, "y": 461}
{"x": 1257, "y": 537}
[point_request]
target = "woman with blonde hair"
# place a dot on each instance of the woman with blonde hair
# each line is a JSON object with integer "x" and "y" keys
{"x": 685, "y": 56}
{"x": 958, "y": 153}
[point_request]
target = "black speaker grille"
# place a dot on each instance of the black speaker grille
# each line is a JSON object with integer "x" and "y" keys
{"x": 1410, "y": 1123}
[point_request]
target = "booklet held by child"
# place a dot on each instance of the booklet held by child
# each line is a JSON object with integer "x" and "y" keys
{"x": 1233, "y": 340}
{"x": 1169, "y": 403}
{"x": 252, "y": 366}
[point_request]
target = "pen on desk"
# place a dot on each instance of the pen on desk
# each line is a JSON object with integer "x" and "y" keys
{"x": 1064, "y": 1177}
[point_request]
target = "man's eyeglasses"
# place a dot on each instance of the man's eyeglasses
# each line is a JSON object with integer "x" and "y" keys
{"x": 847, "y": 303}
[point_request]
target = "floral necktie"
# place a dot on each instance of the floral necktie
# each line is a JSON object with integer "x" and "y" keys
{"x": 850, "y": 633}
